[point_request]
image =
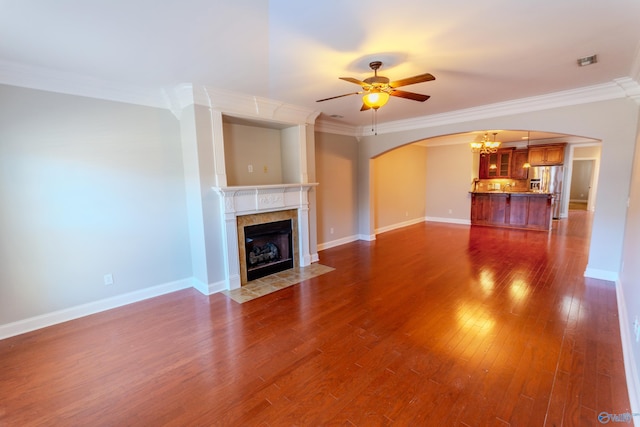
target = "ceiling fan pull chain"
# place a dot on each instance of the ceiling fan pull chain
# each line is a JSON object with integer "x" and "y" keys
{"x": 374, "y": 124}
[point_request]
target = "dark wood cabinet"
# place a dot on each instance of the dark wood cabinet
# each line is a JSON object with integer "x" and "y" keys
{"x": 488, "y": 209}
{"x": 496, "y": 165}
{"x": 519, "y": 211}
{"x": 483, "y": 171}
{"x": 540, "y": 211}
{"x": 546, "y": 155}
{"x": 512, "y": 210}
{"x": 518, "y": 159}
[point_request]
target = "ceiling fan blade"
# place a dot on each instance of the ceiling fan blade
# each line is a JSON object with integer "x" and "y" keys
{"x": 339, "y": 96}
{"x": 365, "y": 107}
{"x": 412, "y": 80}
{"x": 409, "y": 95}
{"x": 356, "y": 81}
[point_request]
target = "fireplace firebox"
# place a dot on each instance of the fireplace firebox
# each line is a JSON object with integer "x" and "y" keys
{"x": 268, "y": 248}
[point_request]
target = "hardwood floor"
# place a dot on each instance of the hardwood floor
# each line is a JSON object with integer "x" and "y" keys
{"x": 430, "y": 325}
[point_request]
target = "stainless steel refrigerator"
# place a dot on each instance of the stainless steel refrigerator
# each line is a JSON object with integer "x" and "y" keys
{"x": 548, "y": 179}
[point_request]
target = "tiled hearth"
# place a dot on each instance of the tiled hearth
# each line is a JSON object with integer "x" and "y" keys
{"x": 275, "y": 282}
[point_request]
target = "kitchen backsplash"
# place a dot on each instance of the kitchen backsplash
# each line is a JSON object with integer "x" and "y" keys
{"x": 500, "y": 184}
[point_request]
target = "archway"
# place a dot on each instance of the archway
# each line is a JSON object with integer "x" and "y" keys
{"x": 449, "y": 169}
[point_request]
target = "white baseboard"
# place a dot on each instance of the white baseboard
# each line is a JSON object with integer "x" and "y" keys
{"x": 199, "y": 286}
{"x": 315, "y": 257}
{"x": 595, "y": 273}
{"x": 631, "y": 372}
{"x": 372, "y": 237}
{"x": 222, "y": 285}
{"x": 49, "y": 319}
{"x": 368, "y": 238}
{"x": 211, "y": 288}
{"x": 337, "y": 242}
{"x": 399, "y": 225}
{"x": 448, "y": 220}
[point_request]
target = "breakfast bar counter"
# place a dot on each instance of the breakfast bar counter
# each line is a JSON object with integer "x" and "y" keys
{"x": 519, "y": 209}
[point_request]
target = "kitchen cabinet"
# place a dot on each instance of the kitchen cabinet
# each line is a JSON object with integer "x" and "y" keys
{"x": 496, "y": 165}
{"x": 546, "y": 155}
{"x": 488, "y": 209}
{"x": 531, "y": 211}
{"x": 519, "y": 158}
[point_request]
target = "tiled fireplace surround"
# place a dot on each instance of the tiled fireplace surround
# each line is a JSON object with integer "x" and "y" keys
{"x": 265, "y": 218}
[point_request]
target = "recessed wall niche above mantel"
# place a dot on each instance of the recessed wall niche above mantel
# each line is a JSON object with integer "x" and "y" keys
{"x": 223, "y": 134}
{"x": 260, "y": 153}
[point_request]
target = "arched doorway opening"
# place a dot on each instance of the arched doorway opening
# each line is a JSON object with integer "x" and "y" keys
{"x": 430, "y": 180}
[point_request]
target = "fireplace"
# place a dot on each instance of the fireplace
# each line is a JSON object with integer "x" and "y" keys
{"x": 250, "y": 205}
{"x": 260, "y": 236}
{"x": 268, "y": 248}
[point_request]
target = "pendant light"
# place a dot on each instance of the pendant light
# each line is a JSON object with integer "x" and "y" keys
{"x": 526, "y": 164}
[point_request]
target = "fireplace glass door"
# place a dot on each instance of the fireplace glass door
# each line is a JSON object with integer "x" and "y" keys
{"x": 268, "y": 248}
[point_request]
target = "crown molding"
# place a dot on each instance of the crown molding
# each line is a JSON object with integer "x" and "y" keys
{"x": 74, "y": 84}
{"x": 630, "y": 87}
{"x": 335, "y": 128}
{"x": 620, "y": 88}
{"x": 237, "y": 104}
{"x": 177, "y": 98}
{"x": 253, "y": 107}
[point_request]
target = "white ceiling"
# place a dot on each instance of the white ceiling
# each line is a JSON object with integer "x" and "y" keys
{"x": 481, "y": 52}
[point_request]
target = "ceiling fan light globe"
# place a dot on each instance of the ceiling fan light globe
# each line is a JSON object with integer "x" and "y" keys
{"x": 375, "y": 99}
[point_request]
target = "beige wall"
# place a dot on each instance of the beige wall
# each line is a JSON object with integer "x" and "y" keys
{"x": 589, "y": 152}
{"x": 399, "y": 187}
{"x": 255, "y": 146}
{"x": 629, "y": 289}
{"x": 336, "y": 196}
{"x": 450, "y": 171}
{"x": 88, "y": 187}
{"x": 290, "y": 155}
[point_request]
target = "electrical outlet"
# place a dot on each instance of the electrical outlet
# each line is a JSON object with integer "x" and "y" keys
{"x": 250, "y": 168}
{"x": 450, "y": 211}
{"x": 108, "y": 279}
{"x": 331, "y": 230}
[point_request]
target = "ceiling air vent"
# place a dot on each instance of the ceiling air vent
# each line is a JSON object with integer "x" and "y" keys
{"x": 587, "y": 60}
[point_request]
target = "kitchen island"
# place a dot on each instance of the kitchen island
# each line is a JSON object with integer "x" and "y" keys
{"x": 519, "y": 209}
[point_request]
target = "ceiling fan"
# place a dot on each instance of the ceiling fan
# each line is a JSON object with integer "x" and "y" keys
{"x": 378, "y": 88}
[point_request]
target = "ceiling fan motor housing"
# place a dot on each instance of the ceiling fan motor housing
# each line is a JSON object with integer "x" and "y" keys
{"x": 377, "y": 81}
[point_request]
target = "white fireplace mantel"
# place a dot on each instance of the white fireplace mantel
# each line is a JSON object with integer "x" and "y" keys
{"x": 247, "y": 200}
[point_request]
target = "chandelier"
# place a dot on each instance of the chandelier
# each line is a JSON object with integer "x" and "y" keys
{"x": 486, "y": 146}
